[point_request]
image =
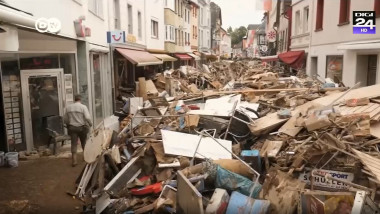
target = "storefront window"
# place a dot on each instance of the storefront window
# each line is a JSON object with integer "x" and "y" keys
{"x": 67, "y": 62}
{"x": 334, "y": 68}
{"x": 12, "y": 105}
{"x": 97, "y": 67}
{"x": 38, "y": 61}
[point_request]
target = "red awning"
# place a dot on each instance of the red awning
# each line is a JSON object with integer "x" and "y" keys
{"x": 139, "y": 57}
{"x": 183, "y": 56}
{"x": 293, "y": 58}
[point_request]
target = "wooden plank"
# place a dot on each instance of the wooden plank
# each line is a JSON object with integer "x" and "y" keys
{"x": 271, "y": 148}
{"x": 142, "y": 88}
{"x": 374, "y": 112}
{"x": 362, "y": 109}
{"x": 271, "y": 121}
{"x": 369, "y": 161}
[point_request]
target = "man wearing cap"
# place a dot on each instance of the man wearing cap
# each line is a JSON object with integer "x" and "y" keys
{"x": 78, "y": 121}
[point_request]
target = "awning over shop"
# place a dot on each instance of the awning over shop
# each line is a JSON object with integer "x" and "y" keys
{"x": 362, "y": 45}
{"x": 294, "y": 59}
{"x": 139, "y": 57}
{"x": 194, "y": 56}
{"x": 165, "y": 57}
{"x": 183, "y": 56}
{"x": 197, "y": 53}
{"x": 269, "y": 58}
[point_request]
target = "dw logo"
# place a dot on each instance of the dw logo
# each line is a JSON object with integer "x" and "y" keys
{"x": 364, "y": 22}
{"x": 52, "y": 25}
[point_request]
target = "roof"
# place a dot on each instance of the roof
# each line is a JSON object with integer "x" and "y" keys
{"x": 139, "y": 58}
{"x": 253, "y": 26}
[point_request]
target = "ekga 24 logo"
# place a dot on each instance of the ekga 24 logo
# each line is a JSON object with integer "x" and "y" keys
{"x": 364, "y": 22}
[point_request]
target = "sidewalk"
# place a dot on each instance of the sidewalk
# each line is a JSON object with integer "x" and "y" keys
{"x": 39, "y": 186}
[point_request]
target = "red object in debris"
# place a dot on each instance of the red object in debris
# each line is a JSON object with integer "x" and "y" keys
{"x": 193, "y": 107}
{"x": 154, "y": 188}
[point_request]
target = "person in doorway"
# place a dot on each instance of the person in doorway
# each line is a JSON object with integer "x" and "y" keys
{"x": 78, "y": 121}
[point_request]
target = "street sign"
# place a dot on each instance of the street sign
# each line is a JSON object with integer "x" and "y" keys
{"x": 116, "y": 36}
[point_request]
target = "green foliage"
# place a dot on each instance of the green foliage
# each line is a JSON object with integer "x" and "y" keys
{"x": 237, "y": 34}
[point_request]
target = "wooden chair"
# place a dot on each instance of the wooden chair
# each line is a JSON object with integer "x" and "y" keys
{"x": 56, "y": 131}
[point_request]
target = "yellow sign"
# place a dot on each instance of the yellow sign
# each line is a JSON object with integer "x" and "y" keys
{"x": 131, "y": 38}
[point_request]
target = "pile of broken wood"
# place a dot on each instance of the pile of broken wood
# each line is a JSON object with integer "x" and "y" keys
{"x": 237, "y": 135}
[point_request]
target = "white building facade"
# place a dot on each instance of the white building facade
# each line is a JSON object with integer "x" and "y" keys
{"x": 74, "y": 60}
{"x": 204, "y": 26}
{"x": 334, "y": 51}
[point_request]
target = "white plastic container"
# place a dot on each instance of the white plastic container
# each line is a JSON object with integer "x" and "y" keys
{"x": 218, "y": 203}
{"x": 12, "y": 159}
{"x": 2, "y": 159}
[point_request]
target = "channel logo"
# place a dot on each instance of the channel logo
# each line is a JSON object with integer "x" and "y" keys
{"x": 364, "y": 22}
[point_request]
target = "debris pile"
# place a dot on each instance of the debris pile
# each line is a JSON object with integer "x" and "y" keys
{"x": 236, "y": 136}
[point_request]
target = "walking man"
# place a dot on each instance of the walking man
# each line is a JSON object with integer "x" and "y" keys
{"x": 78, "y": 121}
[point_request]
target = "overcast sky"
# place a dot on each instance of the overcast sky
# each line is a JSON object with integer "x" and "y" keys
{"x": 238, "y": 13}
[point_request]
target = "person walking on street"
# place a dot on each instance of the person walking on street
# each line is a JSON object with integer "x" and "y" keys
{"x": 78, "y": 121}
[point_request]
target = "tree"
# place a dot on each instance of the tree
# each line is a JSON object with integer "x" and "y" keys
{"x": 229, "y": 30}
{"x": 237, "y": 35}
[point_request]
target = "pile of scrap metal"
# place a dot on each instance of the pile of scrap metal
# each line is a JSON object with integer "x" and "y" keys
{"x": 260, "y": 143}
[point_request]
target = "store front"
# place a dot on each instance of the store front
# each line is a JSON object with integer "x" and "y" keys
{"x": 38, "y": 81}
{"x": 131, "y": 63}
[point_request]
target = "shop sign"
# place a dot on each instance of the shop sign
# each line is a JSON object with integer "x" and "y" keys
{"x": 323, "y": 182}
{"x": 131, "y": 38}
{"x": 271, "y": 36}
{"x": 116, "y": 36}
{"x": 52, "y": 25}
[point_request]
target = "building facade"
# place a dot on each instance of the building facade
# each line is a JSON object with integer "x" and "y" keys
{"x": 216, "y": 25}
{"x": 177, "y": 23}
{"x": 204, "y": 29}
{"x": 41, "y": 71}
{"x": 194, "y": 25}
{"x": 349, "y": 57}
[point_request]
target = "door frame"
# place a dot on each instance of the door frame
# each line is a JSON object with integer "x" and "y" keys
{"x": 25, "y": 74}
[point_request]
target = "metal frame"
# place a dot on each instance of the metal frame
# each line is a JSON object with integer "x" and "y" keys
{"x": 24, "y": 76}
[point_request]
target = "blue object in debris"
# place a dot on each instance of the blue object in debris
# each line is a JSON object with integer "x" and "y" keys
{"x": 231, "y": 181}
{"x": 252, "y": 157}
{"x": 329, "y": 85}
{"x": 242, "y": 204}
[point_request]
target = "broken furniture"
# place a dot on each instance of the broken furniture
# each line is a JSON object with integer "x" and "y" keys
{"x": 56, "y": 131}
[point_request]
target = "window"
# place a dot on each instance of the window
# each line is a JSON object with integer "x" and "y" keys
{"x": 298, "y": 23}
{"x": 319, "y": 20}
{"x": 185, "y": 16}
{"x": 130, "y": 20}
{"x": 188, "y": 16}
{"x": 334, "y": 67}
{"x": 170, "y": 4}
{"x": 377, "y": 8}
{"x": 286, "y": 40}
{"x": 306, "y": 19}
{"x": 180, "y": 8}
{"x": 201, "y": 16}
{"x": 116, "y": 7}
{"x": 169, "y": 33}
{"x": 139, "y": 24}
{"x": 154, "y": 29}
{"x": 96, "y": 7}
{"x": 344, "y": 12}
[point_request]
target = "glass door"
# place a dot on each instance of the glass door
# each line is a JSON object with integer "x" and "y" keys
{"x": 42, "y": 97}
